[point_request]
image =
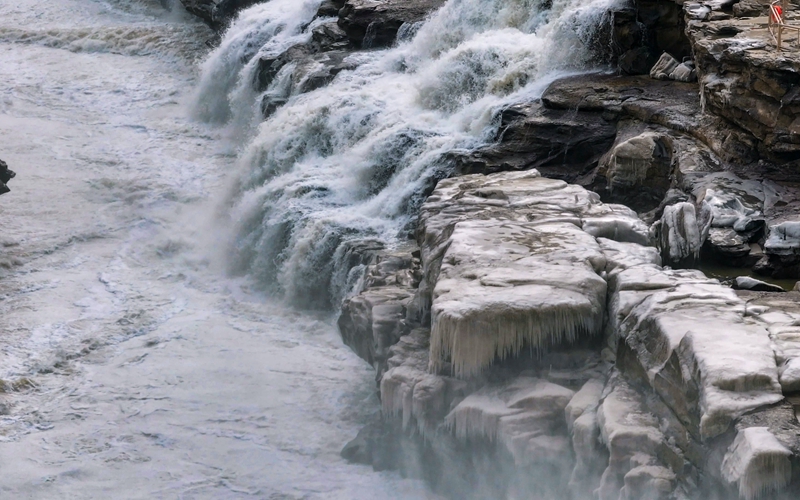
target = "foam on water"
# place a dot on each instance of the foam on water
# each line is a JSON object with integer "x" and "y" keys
{"x": 354, "y": 159}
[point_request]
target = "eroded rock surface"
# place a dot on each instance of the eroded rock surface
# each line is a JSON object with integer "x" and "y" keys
{"x": 514, "y": 264}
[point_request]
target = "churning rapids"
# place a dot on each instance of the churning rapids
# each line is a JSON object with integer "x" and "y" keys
{"x": 139, "y": 355}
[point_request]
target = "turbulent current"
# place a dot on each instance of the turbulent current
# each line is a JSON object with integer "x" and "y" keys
{"x": 159, "y": 237}
{"x": 354, "y": 159}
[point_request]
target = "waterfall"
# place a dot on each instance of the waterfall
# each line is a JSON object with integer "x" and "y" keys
{"x": 353, "y": 160}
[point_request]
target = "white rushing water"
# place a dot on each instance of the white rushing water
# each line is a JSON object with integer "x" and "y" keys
{"x": 354, "y": 159}
{"x": 130, "y": 367}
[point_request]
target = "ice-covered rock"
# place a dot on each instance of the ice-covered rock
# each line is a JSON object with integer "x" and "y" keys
{"x": 784, "y": 239}
{"x": 633, "y": 438}
{"x": 757, "y": 463}
{"x": 668, "y": 68}
{"x": 505, "y": 286}
{"x": 672, "y": 322}
{"x": 682, "y": 232}
{"x": 525, "y": 416}
{"x": 512, "y": 261}
{"x": 780, "y": 314}
{"x": 790, "y": 375}
{"x": 748, "y": 283}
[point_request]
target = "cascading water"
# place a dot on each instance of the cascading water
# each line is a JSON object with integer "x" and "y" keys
{"x": 264, "y": 30}
{"x": 354, "y": 159}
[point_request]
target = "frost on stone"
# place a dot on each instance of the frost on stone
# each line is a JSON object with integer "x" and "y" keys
{"x": 633, "y": 438}
{"x": 581, "y": 416}
{"x": 585, "y": 400}
{"x": 505, "y": 286}
{"x": 409, "y": 392}
{"x": 699, "y": 326}
{"x": 784, "y": 239}
{"x": 522, "y": 416}
{"x": 757, "y": 463}
{"x": 733, "y": 202}
{"x": 682, "y": 233}
{"x": 620, "y": 255}
{"x": 781, "y": 316}
{"x": 790, "y": 375}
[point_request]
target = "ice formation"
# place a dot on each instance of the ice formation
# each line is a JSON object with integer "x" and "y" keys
{"x": 757, "y": 463}
{"x": 682, "y": 322}
{"x": 540, "y": 299}
{"x": 683, "y": 232}
{"x": 520, "y": 415}
{"x": 524, "y": 273}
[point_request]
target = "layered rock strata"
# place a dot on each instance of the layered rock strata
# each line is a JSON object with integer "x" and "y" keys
{"x": 558, "y": 344}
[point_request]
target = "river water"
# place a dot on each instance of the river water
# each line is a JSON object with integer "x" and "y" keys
{"x": 131, "y": 366}
{"x": 160, "y": 241}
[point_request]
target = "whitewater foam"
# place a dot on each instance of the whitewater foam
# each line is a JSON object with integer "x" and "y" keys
{"x": 356, "y": 158}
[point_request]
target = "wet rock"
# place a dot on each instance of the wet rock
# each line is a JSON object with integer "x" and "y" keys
{"x": 675, "y": 106}
{"x": 637, "y": 61}
{"x": 375, "y": 23}
{"x": 6, "y": 175}
{"x": 757, "y": 90}
{"x": 373, "y": 320}
{"x": 749, "y": 8}
{"x": 560, "y": 144}
{"x": 376, "y": 445}
{"x": 217, "y": 13}
{"x": 729, "y": 247}
{"x": 330, "y": 8}
{"x": 329, "y": 36}
{"x": 748, "y": 283}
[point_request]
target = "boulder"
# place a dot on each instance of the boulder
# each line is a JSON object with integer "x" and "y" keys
{"x": 6, "y": 175}
{"x": 638, "y": 170}
{"x": 668, "y": 68}
{"x": 681, "y": 234}
{"x": 757, "y": 463}
{"x": 372, "y": 321}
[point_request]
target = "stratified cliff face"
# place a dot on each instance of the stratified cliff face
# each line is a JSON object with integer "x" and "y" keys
{"x": 545, "y": 333}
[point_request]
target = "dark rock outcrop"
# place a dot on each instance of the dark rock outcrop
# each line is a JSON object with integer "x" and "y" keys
{"x": 6, "y": 175}
{"x": 217, "y": 13}
{"x": 375, "y": 23}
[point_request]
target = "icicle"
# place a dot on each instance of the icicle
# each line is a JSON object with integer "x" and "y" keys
{"x": 757, "y": 462}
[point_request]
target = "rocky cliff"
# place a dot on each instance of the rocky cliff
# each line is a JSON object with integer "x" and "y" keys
{"x": 575, "y": 314}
